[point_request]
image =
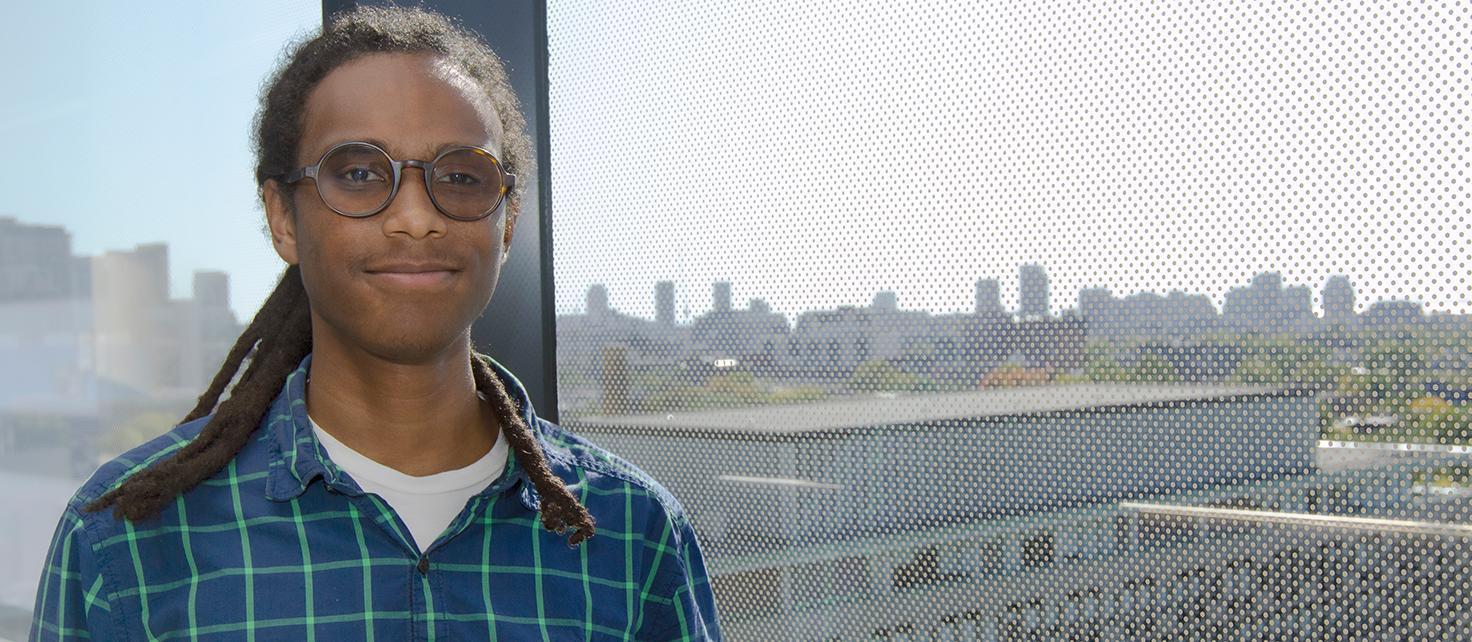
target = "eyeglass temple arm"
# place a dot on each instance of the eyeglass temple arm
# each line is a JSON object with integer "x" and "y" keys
{"x": 305, "y": 172}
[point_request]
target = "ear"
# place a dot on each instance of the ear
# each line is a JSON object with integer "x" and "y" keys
{"x": 281, "y": 217}
{"x": 512, "y": 213}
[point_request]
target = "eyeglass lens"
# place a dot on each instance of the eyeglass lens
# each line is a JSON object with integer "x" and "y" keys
{"x": 357, "y": 180}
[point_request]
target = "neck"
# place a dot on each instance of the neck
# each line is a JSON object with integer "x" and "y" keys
{"x": 419, "y": 416}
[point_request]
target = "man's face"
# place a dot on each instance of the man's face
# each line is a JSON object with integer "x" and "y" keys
{"x": 356, "y": 270}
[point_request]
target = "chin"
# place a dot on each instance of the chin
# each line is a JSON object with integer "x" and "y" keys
{"x": 403, "y": 341}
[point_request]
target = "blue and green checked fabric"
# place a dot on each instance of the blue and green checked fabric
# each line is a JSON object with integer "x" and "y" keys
{"x": 260, "y": 552}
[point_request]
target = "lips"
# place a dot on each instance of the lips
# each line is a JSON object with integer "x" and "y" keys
{"x": 413, "y": 275}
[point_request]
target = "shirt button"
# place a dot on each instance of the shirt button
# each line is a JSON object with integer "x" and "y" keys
{"x": 424, "y": 565}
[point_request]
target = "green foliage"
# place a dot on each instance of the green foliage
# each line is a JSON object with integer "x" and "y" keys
{"x": 726, "y": 390}
{"x": 882, "y": 376}
{"x": 1100, "y": 366}
{"x": 1394, "y": 357}
{"x": 1257, "y": 370}
{"x": 1396, "y": 370}
{"x": 1152, "y": 368}
{"x": 1316, "y": 373}
{"x": 1446, "y": 425}
{"x": 1427, "y": 420}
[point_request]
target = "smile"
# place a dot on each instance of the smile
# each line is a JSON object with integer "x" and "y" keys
{"x": 426, "y": 279}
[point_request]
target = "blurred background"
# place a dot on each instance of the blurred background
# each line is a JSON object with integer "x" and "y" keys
{"x": 944, "y": 321}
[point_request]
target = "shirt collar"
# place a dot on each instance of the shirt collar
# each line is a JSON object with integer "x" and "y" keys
{"x": 297, "y": 457}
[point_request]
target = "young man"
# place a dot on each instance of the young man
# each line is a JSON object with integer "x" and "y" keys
{"x": 370, "y": 476}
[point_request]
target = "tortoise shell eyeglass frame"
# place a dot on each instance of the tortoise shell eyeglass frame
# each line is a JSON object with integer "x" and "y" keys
{"x": 496, "y": 197}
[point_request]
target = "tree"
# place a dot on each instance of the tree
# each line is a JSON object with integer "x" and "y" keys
{"x": 1257, "y": 370}
{"x": 1394, "y": 367}
{"x": 1152, "y": 368}
{"x": 1102, "y": 368}
{"x": 881, "y": 376}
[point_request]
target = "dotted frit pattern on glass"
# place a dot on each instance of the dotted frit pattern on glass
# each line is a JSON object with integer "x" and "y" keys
{"x": 1030, "y": 320}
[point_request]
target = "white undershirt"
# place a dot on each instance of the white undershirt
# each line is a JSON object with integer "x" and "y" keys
{"x": 426, "y": 504}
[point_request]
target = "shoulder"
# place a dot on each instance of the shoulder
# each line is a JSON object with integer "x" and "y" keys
{"x": 604, "y": 469}
{"x": 117, "y": 470}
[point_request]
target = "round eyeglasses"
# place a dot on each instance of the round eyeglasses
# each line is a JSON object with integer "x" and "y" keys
{"x": 359, "y": 179}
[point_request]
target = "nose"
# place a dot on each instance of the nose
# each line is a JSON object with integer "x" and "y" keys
{"x": 412, "y": 212}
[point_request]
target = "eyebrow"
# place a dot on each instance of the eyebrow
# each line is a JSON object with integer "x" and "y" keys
{"x": 491, "y": 147}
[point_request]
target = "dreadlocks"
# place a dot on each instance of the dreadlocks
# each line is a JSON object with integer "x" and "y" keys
{"x": 280, "y": 335}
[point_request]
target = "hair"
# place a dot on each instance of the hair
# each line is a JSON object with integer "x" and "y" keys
{"x": 280, "y": 335}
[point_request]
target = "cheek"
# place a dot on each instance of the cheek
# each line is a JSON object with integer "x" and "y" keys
{"x": 488, "y": 271}
{"x": 325, "y": 271}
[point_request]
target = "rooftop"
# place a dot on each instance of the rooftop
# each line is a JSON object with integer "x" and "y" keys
{"x": 875, "y": 410}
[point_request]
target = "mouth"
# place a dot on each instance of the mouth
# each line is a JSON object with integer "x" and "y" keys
{"x": 413, "y": 277}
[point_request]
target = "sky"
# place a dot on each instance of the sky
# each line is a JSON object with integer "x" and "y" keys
{"x": 813, "y": 155}
{"x": 132, "y": 126}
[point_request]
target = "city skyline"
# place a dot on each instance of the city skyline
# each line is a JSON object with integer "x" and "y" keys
{"x": 1340, "y": 300}
{"x": 1010, "y": 300}
{"x": 807, "y": 266}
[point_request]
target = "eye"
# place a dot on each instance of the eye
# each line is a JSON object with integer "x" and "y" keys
{"x": 359, "y": 175}
{"x": 457, "y": 178}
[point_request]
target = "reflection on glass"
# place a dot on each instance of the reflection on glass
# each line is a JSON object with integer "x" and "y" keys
{"x": 120, "y": 283}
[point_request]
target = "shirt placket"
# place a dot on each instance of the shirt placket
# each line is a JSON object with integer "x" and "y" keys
{"x": 427, "y": 618}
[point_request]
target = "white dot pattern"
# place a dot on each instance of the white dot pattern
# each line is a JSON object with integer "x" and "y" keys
{"x": 1030, "y": 320}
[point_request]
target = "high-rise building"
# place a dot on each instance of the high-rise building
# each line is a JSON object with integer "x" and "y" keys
{"x": 1032, "y": 284}
{"x": 664, "y": 303}
{"x": 1259, "y": 307}
{"x": 130, "y": 303}
{"x": 721, "y": 296}
{"x": 212, "y": 289}
{"x": 596, "y": 301}
{"x": 1298, "y": 302}
{"x": 1338, "y": 299}
{"x": 36, "y": 262}
{"x": 988, "y": 297}
{"x": 885, "y": 301}
{"x": 205, "y": 326}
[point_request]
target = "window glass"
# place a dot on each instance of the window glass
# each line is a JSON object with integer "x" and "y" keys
{"x": 1030, "y": 320}
{"x": 131, "y": 244}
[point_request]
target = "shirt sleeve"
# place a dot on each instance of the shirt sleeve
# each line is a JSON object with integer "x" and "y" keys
{"x": 71, "y": 603}
{"x": 681, "y": 606}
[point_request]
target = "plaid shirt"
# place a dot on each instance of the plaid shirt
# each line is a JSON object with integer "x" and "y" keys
{"x": 259, "y": 551}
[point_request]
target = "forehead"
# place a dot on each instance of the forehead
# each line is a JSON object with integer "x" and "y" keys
{"x": 413, "y": 103}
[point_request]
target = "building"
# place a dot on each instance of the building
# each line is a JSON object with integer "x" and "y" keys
{"x": 131, "y": 309}
{"x": 1392, "y": 314}
{"x": 1150, "y": 434}
{"x": 664, "y": 303}
{"x": 846, "y": 519}
{"x": 1177, "y": 315}
{"x": 100, "y": 349}
{"x": 988, "y": 297}
{"x": 1338, "y": 299}
{"x": 1032, "y": 290}
{"x": 36, "y": 263}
